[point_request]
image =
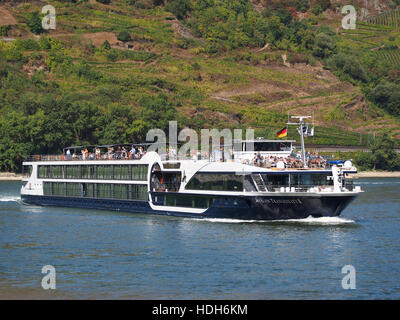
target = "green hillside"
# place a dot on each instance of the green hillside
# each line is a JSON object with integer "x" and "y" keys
{"x": 113, "y": 70}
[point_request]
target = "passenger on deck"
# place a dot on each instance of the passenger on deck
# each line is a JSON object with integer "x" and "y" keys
{"x": 132, "y": 153}
{"x": 118, "y": 153}
{"x": 124, "y": 153}
{"x": 68, "y": 154}
{"x": 255, "y": 159}
{"x": 98, "y": 153}
{"x": 110, "y": 153}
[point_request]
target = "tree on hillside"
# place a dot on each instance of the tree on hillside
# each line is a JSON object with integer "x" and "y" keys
{"x": 106, "y": 45}
{"x": 124, "y": 36}
{"x": 384, "y": 157}
{"x": 35, "y": 22}
{"x": 180, "y": 8}
{"x": 324, "y": 4}
{"x": 302, "y": 5}
{"x": 325, "y": 46}
{"x": 316, "y": 10}
{"x": 348, "y": 65}
{"x": 386, "y": 95}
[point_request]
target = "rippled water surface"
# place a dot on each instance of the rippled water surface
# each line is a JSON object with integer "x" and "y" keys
{"x": 104, "y": 254}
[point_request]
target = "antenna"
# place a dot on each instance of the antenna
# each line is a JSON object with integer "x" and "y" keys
{"x": 300, "y": 129}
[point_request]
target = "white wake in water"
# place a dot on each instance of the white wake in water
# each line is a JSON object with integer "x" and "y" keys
{"x": 308, "y": 220}
{"x": 10, "y": 199}
{"x": 320, "y": 220}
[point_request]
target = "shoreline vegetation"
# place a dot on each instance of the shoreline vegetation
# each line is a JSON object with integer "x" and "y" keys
{"x": 10, "y": 176}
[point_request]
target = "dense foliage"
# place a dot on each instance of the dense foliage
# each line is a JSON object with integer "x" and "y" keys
{"x": 387, "y": 96}
{"x": 56, "y": 93}
{"x": 230, "y": 24}
{"x": 124, "y": 36}
{"x": 40, "y": 117}
{"x": 35, "y": 22}
{"x": 382, "y": 156}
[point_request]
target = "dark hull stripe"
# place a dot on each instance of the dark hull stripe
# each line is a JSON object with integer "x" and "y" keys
{"x": 233, "y": 207}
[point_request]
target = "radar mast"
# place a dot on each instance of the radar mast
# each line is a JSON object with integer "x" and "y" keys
{"x": 302, "y": 129}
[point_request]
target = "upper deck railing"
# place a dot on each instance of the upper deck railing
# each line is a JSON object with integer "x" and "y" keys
{"x": 270, "y": 163}
{"x": 63, "y": 157}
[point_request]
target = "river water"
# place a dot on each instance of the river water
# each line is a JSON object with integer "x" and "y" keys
{"x": 105, "y": 254}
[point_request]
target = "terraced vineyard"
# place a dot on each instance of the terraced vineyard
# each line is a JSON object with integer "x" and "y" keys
{"x": 367, "y": 35}
{"x": 371, "y": 35}
{"x": 388, "y": 18}
{"x": 392, "y": 56}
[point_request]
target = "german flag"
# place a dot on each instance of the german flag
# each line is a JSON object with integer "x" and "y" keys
{"x": 282, "y": 133}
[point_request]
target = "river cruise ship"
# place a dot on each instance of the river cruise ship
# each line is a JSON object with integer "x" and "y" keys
{"x": 268, "y": 183}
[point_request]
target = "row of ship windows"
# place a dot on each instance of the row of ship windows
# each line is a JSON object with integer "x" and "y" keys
{"x": 197, "y": 201}
{"x": 189, "y": 201}
{"x": 104, "y": 172}
{"x": 233, "y": 182}
{"x": 96, "y": 190}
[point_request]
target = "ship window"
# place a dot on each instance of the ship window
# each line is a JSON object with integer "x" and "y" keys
{"x": 321, "y": 180}
{"x": 74, "y": 190}
{"x": 304, "y": 179}
{"x": 104, "y": 190}
{"x": 57, "y": 172}
{"x": 217, "y": 182}
{"x": 120, "y": 191}
{"x": 104, "y": 172}
{"x": 135, "y": 173}
{"x": 121, "y": 172}
{"x": 72, "y": 172}
{"x": 88, "y": 172}
{"x": 139, "y": 192}
{"x": 44, "y": 172}
{"x": 57, "y": 188}
{"x": 50, "y": 172}
{"x": 88, "y": 189}
{"x": 108, "y": 172}
{"x": 47, "y": 188}
{"x": 125, "y": 172}
{"x": 91, "y": 172}
{"x": 189, "y": 201}
{"x": 139, "y": 172}
{"x": 278, "y": 180}
{"x": 117, "y": 172}
{"x": 100, "y": 172}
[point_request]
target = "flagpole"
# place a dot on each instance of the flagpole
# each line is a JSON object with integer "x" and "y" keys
{"x": 301, "y": 132}
{"x": 303, "y": 149}
{"x": 287, "y": 126}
